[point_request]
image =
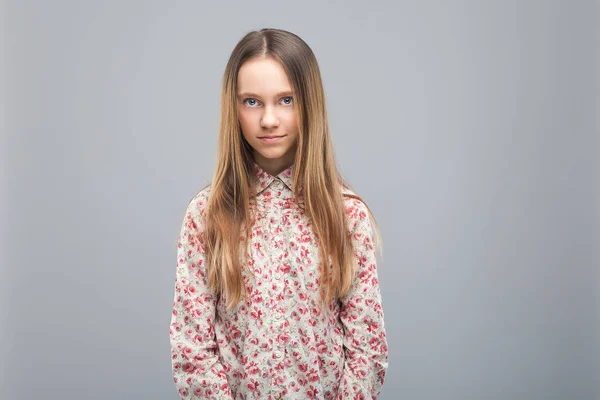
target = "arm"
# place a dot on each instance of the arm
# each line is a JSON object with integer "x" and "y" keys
{"x": 365, "y": 343}
{"x": 197, "y": 371}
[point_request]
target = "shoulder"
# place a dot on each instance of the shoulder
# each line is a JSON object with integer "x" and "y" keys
{"x": 352, "y": 201}
{"x": 196, "y": 207}
{"x": 197, "y": 204}
{"x": 357, "y": 212}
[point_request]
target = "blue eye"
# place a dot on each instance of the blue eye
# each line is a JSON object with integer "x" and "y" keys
{"x": 251, "y": 102}
{"x": 287, "y": 100}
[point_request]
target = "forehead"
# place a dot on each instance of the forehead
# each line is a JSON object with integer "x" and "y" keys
{"x": 264, "y": 76}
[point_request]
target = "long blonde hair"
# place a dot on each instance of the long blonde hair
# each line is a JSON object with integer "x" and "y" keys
{"x": 315, "y": 172}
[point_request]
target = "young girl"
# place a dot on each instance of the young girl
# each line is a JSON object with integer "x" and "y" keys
{"x": 276, "y": 293}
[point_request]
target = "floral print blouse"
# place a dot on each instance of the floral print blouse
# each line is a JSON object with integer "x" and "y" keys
{"x": 277, "y": 344}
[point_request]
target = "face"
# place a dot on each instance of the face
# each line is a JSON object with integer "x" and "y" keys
{"x": 266, "y": 113}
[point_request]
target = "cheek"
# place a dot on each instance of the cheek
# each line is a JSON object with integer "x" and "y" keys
{"x": 247, "y": 122}
{"x": 291, "y": 122}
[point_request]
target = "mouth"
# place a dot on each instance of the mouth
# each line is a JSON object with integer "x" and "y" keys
{"x": 272, "y": 138}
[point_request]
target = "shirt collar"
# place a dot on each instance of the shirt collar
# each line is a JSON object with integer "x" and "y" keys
{"x": 264, "y": 179}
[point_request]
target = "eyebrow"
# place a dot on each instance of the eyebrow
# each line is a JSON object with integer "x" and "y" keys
{"x": 249, "y": 94}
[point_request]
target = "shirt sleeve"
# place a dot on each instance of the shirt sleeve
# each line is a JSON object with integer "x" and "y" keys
{"x": 197, "y": 371}
{"x": 365, "y": 343}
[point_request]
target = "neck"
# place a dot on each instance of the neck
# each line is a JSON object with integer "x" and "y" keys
{"x": 274, "y": 166}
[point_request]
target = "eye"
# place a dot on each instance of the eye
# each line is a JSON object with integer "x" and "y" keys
{"x": 287, "y": 100}
{"x": 251, "y": 102}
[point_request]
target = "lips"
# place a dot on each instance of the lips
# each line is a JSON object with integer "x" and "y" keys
{"x": 271, "y": 137}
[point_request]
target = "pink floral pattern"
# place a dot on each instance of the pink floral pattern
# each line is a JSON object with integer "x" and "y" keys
{"x": 277, "y": 343}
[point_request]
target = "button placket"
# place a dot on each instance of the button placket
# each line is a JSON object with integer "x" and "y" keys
{"x": 278, "y": 282}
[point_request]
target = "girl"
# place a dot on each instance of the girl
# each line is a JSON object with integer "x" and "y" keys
{"x": 276, "y": 293}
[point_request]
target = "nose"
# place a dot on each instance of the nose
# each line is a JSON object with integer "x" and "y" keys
{"x": 269, "y": 118}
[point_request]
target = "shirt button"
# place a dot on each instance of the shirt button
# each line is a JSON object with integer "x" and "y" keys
{"x": 277, "y": 396}
{"x": 277, "y": 354}
{"x": 278, "y": 277}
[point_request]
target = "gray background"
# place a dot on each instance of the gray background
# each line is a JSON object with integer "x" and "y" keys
{"x": 470, "y": 127}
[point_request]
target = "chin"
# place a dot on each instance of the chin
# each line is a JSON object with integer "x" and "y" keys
{"x": 271, "y": 154}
